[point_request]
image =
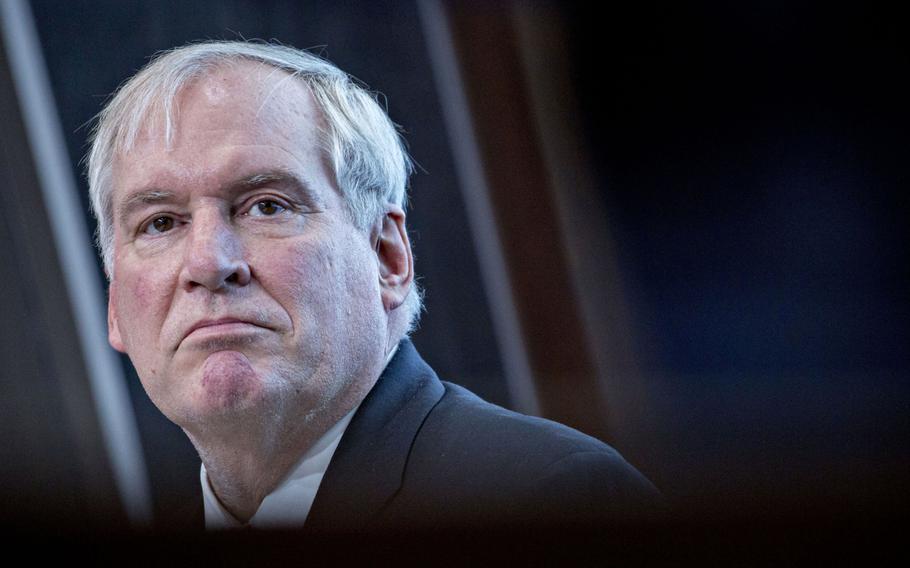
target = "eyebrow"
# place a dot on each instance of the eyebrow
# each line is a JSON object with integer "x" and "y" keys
{"x": 280, "y": 177}
{"x": 275, "y": 177}
{"x": 140, "y": 198}
{"x": 151, "y": 196}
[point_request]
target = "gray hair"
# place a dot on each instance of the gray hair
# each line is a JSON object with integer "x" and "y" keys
{"x": 368, "y": 156}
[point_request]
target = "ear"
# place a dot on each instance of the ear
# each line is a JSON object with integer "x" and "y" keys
{"x": 113, "y": 327}
{"x": 393, "y": 250}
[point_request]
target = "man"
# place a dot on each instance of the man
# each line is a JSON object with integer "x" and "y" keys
{"x": 250, "y": 201}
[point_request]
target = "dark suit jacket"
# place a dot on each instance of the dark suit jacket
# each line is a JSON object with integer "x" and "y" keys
{"x": 422, "y": 453}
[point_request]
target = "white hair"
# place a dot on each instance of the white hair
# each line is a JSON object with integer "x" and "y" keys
{"x": 368, "y": 156}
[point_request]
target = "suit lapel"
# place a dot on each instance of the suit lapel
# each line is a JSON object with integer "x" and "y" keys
{"x": 368, "y": 466}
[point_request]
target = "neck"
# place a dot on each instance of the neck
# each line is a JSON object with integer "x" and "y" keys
{"x": 243, "y": 467}
{"x": 247, "y": 457}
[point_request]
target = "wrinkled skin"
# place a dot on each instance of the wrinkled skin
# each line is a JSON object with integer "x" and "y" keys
{"x": 255, "y": 312}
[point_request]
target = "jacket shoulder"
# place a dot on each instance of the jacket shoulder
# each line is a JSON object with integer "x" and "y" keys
{"x": 479, "y": 462}
{"x": 461, "y": 418}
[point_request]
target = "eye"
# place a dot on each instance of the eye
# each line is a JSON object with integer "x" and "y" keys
{"x": 266, "y": 208}
{"x": 158, "y": 225}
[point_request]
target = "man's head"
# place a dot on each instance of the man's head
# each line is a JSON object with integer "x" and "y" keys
{"x": 360, "y": 142}
{"x": 249, "y": 200}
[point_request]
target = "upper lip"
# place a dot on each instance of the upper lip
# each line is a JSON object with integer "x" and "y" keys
{"x": 219, "y": 321}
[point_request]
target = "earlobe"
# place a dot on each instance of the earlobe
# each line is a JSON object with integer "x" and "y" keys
{"x": 396, "y": 265}
{"x": 113, "y": 328}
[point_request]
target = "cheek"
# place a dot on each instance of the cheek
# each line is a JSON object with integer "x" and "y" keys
{"x": 145, "y": 294}
{"x": 300, "y": 271}
{"x": 321, "y": 283}
{"x": 286, "y": 270}
{"x": 146, "y": 302}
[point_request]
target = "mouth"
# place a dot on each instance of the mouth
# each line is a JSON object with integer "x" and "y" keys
{"x": 221, "y": 327}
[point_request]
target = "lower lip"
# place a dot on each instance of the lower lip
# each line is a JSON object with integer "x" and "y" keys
{"x": 224, "y": 329}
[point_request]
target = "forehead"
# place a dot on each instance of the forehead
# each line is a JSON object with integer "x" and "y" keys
{"x": 237, "y": 104}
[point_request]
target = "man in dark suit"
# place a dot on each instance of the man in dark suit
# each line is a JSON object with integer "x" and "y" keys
{"x": 250, "y": 201}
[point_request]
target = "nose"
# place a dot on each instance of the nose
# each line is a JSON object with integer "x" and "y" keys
{"x": 214, "y": 257}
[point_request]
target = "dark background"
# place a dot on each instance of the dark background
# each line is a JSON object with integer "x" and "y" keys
{"x": 751, "y": 160}
{"x": 754, "y": 161}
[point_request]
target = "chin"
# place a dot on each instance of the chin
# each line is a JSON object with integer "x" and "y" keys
{"x": 227, "y": 386}
{"x": 223, "y": 411}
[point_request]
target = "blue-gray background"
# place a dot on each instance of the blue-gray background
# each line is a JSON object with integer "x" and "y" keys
{"x": 753, "y": 163}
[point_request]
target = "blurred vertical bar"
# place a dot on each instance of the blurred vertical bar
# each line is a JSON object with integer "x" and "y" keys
{"x": 92, "y": 366}
{"x": 542, "y": 40}
{"x": 526, "y": 231}
{"x": 476, "y": 192}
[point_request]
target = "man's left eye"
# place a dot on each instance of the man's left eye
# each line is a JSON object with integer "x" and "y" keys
{"x": 266, "y": 208}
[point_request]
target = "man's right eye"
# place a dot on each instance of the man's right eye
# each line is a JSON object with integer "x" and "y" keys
{"x": 158, "y": 225}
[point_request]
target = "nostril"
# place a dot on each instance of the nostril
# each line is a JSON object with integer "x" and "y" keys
{"x": 232, "y": 279}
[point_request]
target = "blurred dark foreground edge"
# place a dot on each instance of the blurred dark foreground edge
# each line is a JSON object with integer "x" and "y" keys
{"x": 654, "y": 543}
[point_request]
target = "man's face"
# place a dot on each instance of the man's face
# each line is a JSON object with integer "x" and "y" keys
{"x": 240, "y": 287}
